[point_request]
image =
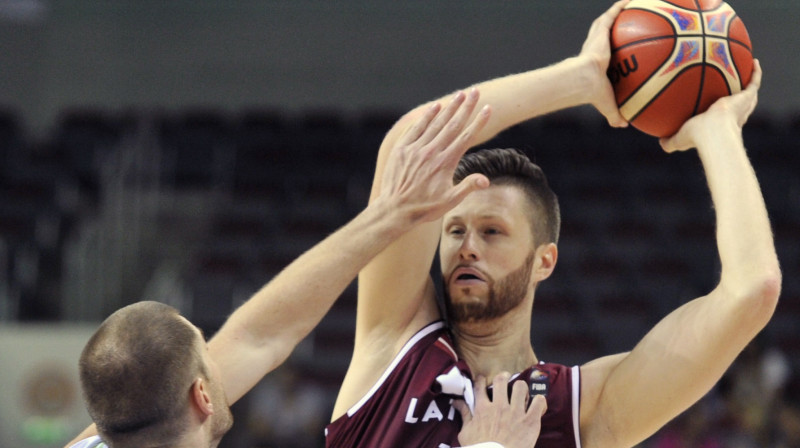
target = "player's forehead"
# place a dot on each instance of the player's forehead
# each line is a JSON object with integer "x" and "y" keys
{"x": 498, "y": 201}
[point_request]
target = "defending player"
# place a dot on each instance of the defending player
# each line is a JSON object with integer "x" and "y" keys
{"x": 500, "y": 242}
{"x": 150, "y": 379}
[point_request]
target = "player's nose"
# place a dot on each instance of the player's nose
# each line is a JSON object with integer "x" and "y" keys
{"x": 468, "y": 250}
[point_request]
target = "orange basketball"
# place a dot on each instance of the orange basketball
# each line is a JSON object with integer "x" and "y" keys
{"x": 670, "y": 60}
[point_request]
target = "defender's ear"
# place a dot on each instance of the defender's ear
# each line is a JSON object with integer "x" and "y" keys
{"x": 201, "y": 398}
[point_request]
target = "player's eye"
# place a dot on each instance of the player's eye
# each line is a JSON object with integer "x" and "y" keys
{"x": 456, "y": 231}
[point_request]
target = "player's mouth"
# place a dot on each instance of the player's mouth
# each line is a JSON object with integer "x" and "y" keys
{"x": 467, "y": 276}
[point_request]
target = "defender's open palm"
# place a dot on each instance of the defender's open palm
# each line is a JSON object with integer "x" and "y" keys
{"x": 419, "y": 171}
{"x": 510, "y": 422}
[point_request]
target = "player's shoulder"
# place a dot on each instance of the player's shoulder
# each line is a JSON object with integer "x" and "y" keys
{"x": 432, "y": 344}
{"x": 552, "y": 378}
{"x": 444, "y": 340}
{"x": 551, "y": 366}
{"x": 550, "y": 369}
{"x": 596, "y": 372}
{"x": 594, "y": 375}
{"x": 91, "y": 442}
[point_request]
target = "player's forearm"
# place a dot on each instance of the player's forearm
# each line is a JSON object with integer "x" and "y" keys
{"x": 264, "y": 331}
{"x": 519, "y": 97}
{"x": 744, "y": 236}
{"x": 295, "y": 300}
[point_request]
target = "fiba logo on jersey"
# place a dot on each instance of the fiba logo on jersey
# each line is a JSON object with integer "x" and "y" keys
{"x": 539, "y": 383}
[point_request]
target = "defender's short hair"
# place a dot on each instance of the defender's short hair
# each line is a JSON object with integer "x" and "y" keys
{"x": 136, "y": 372}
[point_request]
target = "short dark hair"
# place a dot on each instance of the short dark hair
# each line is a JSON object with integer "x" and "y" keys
{"x": 136, "y": 372}
{"x": 512, "y": 167}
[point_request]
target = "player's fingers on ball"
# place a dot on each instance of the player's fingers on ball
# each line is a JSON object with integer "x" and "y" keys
{"x": 672, "y": 144}
{"x": 666, "y": 144}
{"x": 610, "y": 110}
{"x": 755, "y": 79}
{"x": 619, "y": 4}
{"x": 612, "y": 12}
{"x": 755, "y": 84}
{"x": 616, "y": 120}
{"x": 441, "y": 120}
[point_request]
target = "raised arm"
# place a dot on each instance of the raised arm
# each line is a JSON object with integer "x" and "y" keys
{"x": 572, "y": 82}
{"x": 417, "y": 187}
{"x": 628, "y": 397}
{"x": 263, "y": 332}
{"x": 395, "y": 289}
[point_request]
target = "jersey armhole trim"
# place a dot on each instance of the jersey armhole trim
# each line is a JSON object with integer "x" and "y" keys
{"x": 576, "y": 404}
{"x": 90, "y": 442}
{"x": 408, "y": 346}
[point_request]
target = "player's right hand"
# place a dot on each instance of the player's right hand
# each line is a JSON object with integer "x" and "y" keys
{"x": 597, "y": 52}
{"x": 729, "y": 112}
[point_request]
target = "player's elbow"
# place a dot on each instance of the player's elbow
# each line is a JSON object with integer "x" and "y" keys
{"x": 760, "y": 299}
{"x": 406, "y": 121}
{"x": 769, "y": 291}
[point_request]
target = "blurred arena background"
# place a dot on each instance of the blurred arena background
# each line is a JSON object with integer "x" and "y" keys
{"x": 185, "y": 151}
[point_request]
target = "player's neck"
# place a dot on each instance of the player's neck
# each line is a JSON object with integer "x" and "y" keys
{"x": 495, "y": 346}
{"x": 199, "y": 437}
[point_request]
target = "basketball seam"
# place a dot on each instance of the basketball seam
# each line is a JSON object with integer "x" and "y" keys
{"x": 730, "y": 50}
{"x": 727, "y": 86}
{"x": 669, "y": 22}
{"x": 738, "y": 42}
{"x": 676, "y": 37}
{"x": 702, "y": 82}
{"x": 648, "y": 39}
{"x": 681, "y": 7}
{"x": 735, "y": 65}
{"x": 728, "y": 33}
{"x": 641, "y": 85}
{"x": 658, "y": 94}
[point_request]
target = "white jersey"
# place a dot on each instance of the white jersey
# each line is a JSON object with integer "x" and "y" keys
{"x": 91, "y": 442}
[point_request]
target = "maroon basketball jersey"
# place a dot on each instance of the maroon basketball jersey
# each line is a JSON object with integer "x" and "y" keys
{"x": 407, "y": 407}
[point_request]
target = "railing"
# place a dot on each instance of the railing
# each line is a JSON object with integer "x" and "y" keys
{"x": 103, "y": 261}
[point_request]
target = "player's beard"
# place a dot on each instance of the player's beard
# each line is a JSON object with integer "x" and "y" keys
{"x": 504, "y": 295}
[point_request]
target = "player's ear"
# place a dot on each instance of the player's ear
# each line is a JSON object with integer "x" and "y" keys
{"x": 200, "y": 397}
{"x": 545, "y": 262}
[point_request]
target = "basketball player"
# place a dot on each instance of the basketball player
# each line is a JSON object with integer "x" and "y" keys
{"x": 500, "y": 242}
{"x": 149, "y": 378}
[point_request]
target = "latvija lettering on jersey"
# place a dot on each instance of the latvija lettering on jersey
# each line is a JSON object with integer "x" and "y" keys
{"x": 433, "y": 411}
